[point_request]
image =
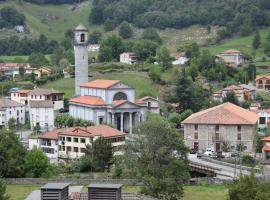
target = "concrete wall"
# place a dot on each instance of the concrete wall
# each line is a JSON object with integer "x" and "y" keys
{"x": 226, "y": 132}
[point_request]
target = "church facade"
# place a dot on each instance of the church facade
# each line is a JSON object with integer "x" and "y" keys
{"x": 112, "y": 102}
{"x": 105, "y": 101}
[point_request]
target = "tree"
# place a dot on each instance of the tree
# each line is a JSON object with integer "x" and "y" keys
{"x": 96, "y": 14}
{"x": 12, "y": 155}
{"x": 157, "y": 155}
{"x": 3, "y": 195}
{"x": 37, "y": 60}
{"x": 249, "y": 188}
{"x": 11, "y": 124}
{"x": 125, "y": 30}
{"x": 256, "y": 40}
{"x": 64, "y": 64}
{"x": 36, "y": 162}
{"x": 192, "y": 51}
{"x": 184, "y": 91}
{"x": 145, "y": 49}
{"x": 164, "y": 58}
{"x": 109, "y": 25}
{"x": 111, "y": 48}
{"x": 151, "y": 34}
{"x": 21, "y": 72}
{"x": 231, "y": 97}
{"x": 100, "y": 151}
{"x": 95, "y": 37}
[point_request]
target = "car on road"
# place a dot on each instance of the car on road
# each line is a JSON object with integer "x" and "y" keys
{"x": 209, "y": 152}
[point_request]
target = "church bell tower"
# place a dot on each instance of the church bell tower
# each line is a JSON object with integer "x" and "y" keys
{"x": 81, "y": 57}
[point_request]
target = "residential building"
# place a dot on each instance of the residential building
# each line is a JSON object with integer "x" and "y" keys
{"x": 231, "y": 57}
{"x": 223, "y": 123}
{"x": 263, "y": 83}
{"x": 11, "y": 109}
{"x": 20, "y": 96}
{"x": 38, "y": 94}
{"x": 180, "y": 59}
{"x": 243, "y": 92}
{"x": 266, "y": 148}
{"x": 70, "y": 143}
{"x": 55, "y": 96}
{"x": 264, "y": 117}
{"x": 42, "y": 71}
{"x": 111, "y": 101}
{"x": 41, "y": 114}
{"x": 93, "y": 47}
{"x": 128, "y": 57}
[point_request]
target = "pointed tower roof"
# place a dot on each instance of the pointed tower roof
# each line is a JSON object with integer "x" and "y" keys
{"x": 81, "y": 27}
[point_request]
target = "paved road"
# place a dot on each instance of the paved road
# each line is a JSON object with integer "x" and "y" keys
{"x": 224, "y": 171}
{"x": 35, "y": 195}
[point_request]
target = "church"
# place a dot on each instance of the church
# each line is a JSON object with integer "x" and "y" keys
{"x": 105, "y": 101}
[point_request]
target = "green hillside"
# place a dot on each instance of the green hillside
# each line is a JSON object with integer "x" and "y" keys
{"x": 241, "y": 43}
{"x": 51, "y": 20}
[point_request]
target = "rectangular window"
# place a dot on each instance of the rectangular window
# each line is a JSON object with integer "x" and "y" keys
{"x": 196, "y": 136}
{"x": 216, "y": 136}
{"x": 75, "y": 149}
{"x": 82, "y": 140}
{"x": 75, "y": 139}
{"x": 82, "y": 150}
{"x": 239, "y": 128}
{"x": 63, "y": 148}
{"x": 217, "y": 128}
{"x": 238, "y": 136}
{"x": 68, "y": 139}
{"x": 68, "y": 148}
{"x": 196, "y": 127}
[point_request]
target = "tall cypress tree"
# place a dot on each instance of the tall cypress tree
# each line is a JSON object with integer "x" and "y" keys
{"x": 256, "y": 40}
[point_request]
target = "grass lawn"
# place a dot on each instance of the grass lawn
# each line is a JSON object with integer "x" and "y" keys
{"x": 143, "y": 85}
{"x": 205, "y": 192}
{"x": 20, "y": 192}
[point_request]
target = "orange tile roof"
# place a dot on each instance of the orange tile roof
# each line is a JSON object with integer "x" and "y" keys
{"x": 104, "y": 131}
{"x": 231, "y": 51}
{"x": 89, "y": 100}
{"x": 102, "y": 84}
{"x": 119, "y": 102}
{"x": 260, "y": 77}
{"x": 90, "y": 131}
{"x": 226, "y": 113}
{"x": 139, "y": 101}
{"x": 24, "y": 91}
{"x": 266, "y": 148}
{"x": 266, "y": 139}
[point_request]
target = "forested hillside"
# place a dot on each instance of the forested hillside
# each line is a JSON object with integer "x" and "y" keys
{"x": 236, "y": 16}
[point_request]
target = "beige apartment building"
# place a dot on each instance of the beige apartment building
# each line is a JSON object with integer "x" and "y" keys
{"x": 223, "y": 123}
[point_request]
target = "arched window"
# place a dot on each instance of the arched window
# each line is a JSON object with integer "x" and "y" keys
{"x": 120, "y": 96}
{"x": 82, "y": 37}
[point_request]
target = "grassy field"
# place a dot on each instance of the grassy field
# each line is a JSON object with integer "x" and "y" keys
{"x": 143, "y": 85}
{"x": 51, "y": 20}
{"x": 241, "y": 43}
{"x": 203, "y": 192}
{"x": 20, "y": 192}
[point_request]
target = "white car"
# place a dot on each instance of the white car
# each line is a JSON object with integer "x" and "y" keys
{"x": 209, "y": 152}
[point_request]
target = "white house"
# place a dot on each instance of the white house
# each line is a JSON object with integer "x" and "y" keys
{"x": 41, "y": 114}
{"x": 264, "y": 117}
{"x": 38, "y": 94}
{"x": 128, "y": 57}
{"x": 180, "y": 59}
{"x": 48, "y": 143}
{"x": 231, "y": 57}
{"x": 113, "y": 102}
{"x": 93, "y": 47}
{"x": 11, "y": 109}
{"x": 13, "y": 69}
{"x": 70, "y": 143}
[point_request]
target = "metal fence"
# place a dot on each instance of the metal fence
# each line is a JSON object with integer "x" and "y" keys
{"x": 125, "y": 196}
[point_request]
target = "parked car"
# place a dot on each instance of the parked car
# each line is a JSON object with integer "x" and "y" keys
{"x": 209, "y": 152}
{"x": 193, "y": 151}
